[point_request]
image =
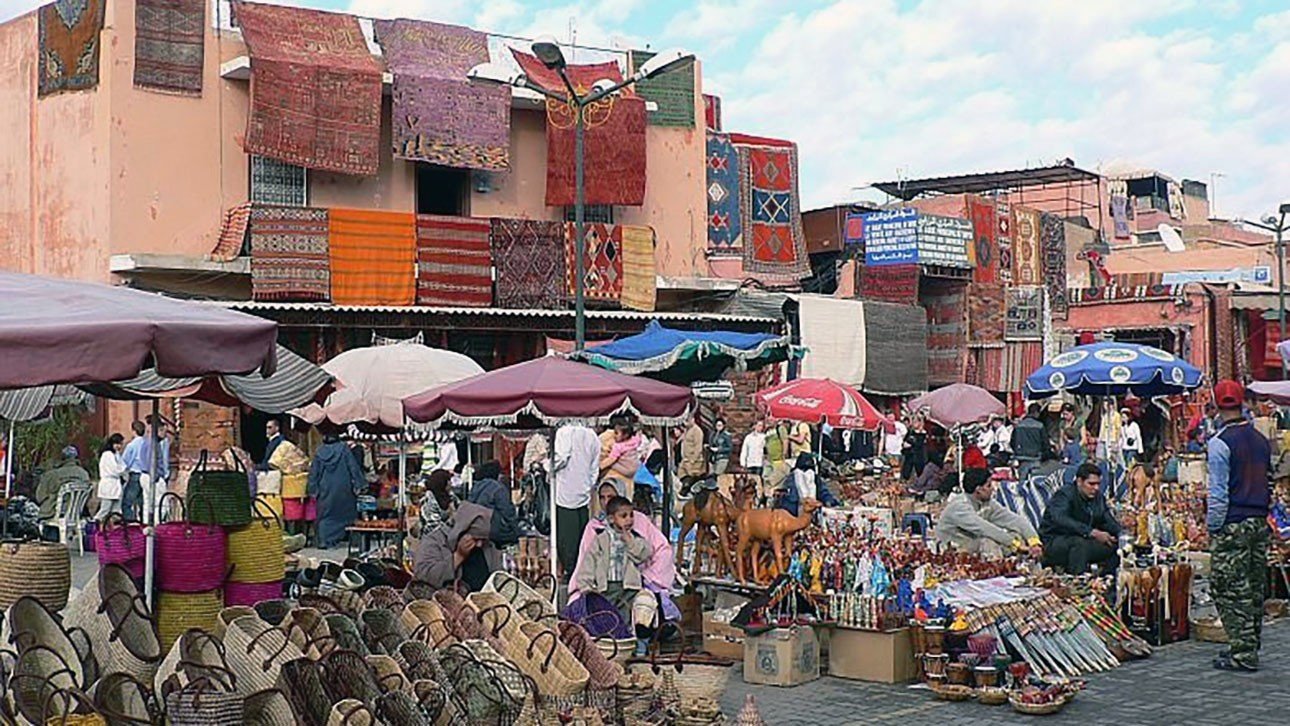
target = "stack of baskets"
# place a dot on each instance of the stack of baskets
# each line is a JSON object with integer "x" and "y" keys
{"x": 190, "y": 567}
{"x": 118, "y": 542}
{"x": 42, "y": 570}
{"x": 255, "y": 562}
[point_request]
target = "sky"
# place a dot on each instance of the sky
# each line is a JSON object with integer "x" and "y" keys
{"x": 878, "y": 90}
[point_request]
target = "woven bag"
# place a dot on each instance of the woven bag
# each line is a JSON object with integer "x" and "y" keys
{"x": 255, "y": 652}
{"x": 477, "y": 689}
{"x": 37, "y": 674}
{"x": 42, "y": 570}
{"x": 268, "y": 482}
{"x": 559, "y": 677}
{"x": 302, "y": 681}
{"x": 29, "y": 623}
{"x": 122, "y": 699}
{"x": 382, "y": 630}
{"x": 400, "y": 708}
{"x": 126, "y": 639}
{"x": 274, "y": 503}
{"x": 273, "y": 611}
{"x": 119, "y": 543}
{"x": 180, "y": 611}
{"x": 417, "y": 661}
{"x": 525, "y": 599}
{"x": 389, "y": 675}
{"x": 196, "y": 655}
{"x": 189, "y": 557}
{"x": 249, "y": 594}
{"x": 432, "y": 698}
{"x": 425, "y": 622}
{"x": 462, "y": 619}
{"x": 295, "y": 486}
{"x": 516, "y": 683}
{"x": 202, "y": 703}
{"x": 268, "y": 708}
{"x": 346, "y": 674}
{"x": 308, "y": 629}
{"x": 350, "y": 712}
{"x": 255, "y": 549}
{"x": 346, "y": 633}
{"x": 603, "y": 673}
{"x": 383, "y": 596}
{"x": 229, "y": 614}
{"x": 70, "y": 707}
{"x": 218, "y": 497}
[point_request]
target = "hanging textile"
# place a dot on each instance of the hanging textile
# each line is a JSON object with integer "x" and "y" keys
{"x": 712, "y": 111}
{"x": 232, "y": 233}
{"x": 1026, "y": 267}
{"x": 373, "y": 257}
{"x": 895, "y": 349}
{"x": 1224, "y": 338}
{"x": 289, "y": 259}
{"x": 1025, "y": 314}
{"x": 68, "y": 35}
{"x": 773, "y": 241}
{"x": 528, "y": 255}
{"x": 986, "y": 314}
{"x": 454, "y": 261}
{"x": 725, "y": 223}
{"x": 602, "y": 261}
{"x": 1020, "y": 360}
{"x": 1052, "y": 238}
{"x": 833, "y": 333}
{"x": 315, "y": 89}
{"x": 614, "y": 138}
{"x": 946, "y": 334}
{"x": 438, "y": 116}
{"x": 985, "y": 229}
{"x": 170, "y": 45}
{"x": 890, "y": 283}
{"x": 1003, "y": 238}
{"x": 671, "y": 92}
{"x": 640, "y": 290}
{"x": 985, "y": 368}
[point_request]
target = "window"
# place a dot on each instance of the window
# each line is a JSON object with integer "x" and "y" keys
{"x": 277, "y": 182}
{"x": 591, "y": 213}
{"x": 443, "y": 190}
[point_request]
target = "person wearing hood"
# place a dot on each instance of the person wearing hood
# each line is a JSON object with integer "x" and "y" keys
{"x": 488, "y": 491}
{"x": 335, "y": 481}
{"x": 973, "y": 521}
{"x": 459, "y": 551}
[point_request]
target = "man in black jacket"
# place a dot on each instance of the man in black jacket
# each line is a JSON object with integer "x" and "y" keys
{"x": 1078, "y": 527}
{"x": 1030, "y": 443}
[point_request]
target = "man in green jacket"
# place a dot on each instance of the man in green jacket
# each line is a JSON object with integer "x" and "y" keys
{"x": 66, "y": 471}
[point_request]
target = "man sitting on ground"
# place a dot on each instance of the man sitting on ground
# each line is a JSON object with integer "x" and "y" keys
{"x": 974, "y": 522}
{"x": 1078, "y": 528}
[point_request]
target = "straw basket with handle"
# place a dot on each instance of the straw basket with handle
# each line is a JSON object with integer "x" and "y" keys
{"x": 120, "y": 543}
{"x": 179, "y": 611}
{"x": 203, "y": 703}
{"x": 255, "y": 549}
{"x": 255, "y": 652}
{"x": 485, "y": 687}
{"x": 189, "y": 557}
{"x": 124, "y": 700}
{"x": 603, "y": 673}
{"x": 704, "y": 676}
{"x": 126, "y": 639}
{"x": 219, "y": 497}
{"x": 560, "y": 680}
{"x": 523, "y": 598}
{"x": 42, "y": 570}
{"x": 70, "y": 706}
{"x": 196, "y": 655}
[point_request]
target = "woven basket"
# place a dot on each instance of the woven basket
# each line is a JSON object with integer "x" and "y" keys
{"x": 29, "y": 623}
{"x": 418, "y": 590}
{"x": 432, "y": 698}
{"x": 274, "y": 503}
{"x": 255, "y": 652}
{"x": 268, "y": 708}
{"x": 382, "y": 630}
{"x": 251, "y": 594}
{"x": 196, "y": 656}
{"x": 218, "y": 497}
{"x": 302, "y": 681}
{"x": 255, "y": 550}
{"x": 346, "y": 675}
{"x": 603, "y": 673}
{"x": 229, "y": 614}
{"x": 952, "y": 692}
{"x": 400, "y": 708}
{"x": 295, "y": 486}
{"x": 485, "y": 689}
{"x": 201, "y": 704}
{"x": 346, "y": 633}
{"x": 425, "y": 621}
{"x": 36, "y": 675}
{"x": 389, "y": 674}
{"x": 122, "y": 699}
{"x": 126, "y": 640}
{"x": 119, "y": 543}
{"x": 1036, "y": 709}
{"x": 383, "y": 596}
{"x": 189, "y": 557}
{"x": 542, "y": 657}
{"x": 42, "y": 570}
{"x": 462, "y": 619}
{"x": 1208, "y": 630}
{"x": 417, "y": 661}
{"x": 525, "y": 599}
{"x": 992, "y": 696}
{"x": 351, "y": 712}
{"x": 179, "y": 611}
{"x": 273, "y": 611}
{"x": 70, "y": 706}
{"x": 308, "y": 629}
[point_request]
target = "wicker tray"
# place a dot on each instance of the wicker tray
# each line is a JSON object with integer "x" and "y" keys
{"x": 952, "y": 692}
{"x": 1037, "y": 709}
{"x": 1209, "y": 631}
{"x": 992, "y": 696}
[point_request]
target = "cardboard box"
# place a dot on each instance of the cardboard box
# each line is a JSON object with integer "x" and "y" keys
{"x": 782, "y": 657}
{"x": 872, "y": 656}
{"x": 724, "y": 647}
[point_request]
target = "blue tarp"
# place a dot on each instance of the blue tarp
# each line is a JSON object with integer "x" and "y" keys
{"x": 687, "y": 355}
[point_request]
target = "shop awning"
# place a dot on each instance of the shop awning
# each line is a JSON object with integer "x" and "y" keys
{"x": 684, "y": 356}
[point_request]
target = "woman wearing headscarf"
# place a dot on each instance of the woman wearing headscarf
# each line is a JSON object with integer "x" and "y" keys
{"x": 438, "y": 504}
{"x": 335, "y": 482}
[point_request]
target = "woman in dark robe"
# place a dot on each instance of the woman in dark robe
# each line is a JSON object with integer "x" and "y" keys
{"x": 335, "y": 481}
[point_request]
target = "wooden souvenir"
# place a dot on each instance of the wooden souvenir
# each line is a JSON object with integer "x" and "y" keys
{"x": 775, "y": 527}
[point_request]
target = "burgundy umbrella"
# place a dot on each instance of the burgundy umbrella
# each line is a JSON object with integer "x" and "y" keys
{"x": 65, "y": 331}
{"x": 958, "y": 404}
{"x": 549, "y": 390}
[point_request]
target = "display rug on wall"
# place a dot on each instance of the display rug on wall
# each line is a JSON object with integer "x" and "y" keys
{"x": 1003, "y": 240}
{"x": 1026, "y": 267}
{"x": 946, "y": 334}
{"x": 528, "y": 255}
{"x": 671, "y": 92}
{"x": 896, "y": 349}
{"x": 1052, "y": 240}
{"x": 68, "y": 34}
{"x": 889, "y": 283}
{"x": 289, "y": 259}
{"x": 373, "y": 257}
{"x": 986, "y": 316}
{"x": 1025, "y": 314}
{"x": 712, "y": 111}
{"x": 725, "y": 223}
{"x": 602, "y": 260}
{"x": 985, "y": 368}
{"x": 315, "y": 89}
{"x": 985, "y": 228}
{"x": 170, "y": 45}
{"x": 1020, "y": 360}
{"x": 438, "y": 116}
{"x": 454, "y": 261}
{"x": 232, "y": 233}
{"x": 640, "y": 282}
{"x": 773, "y": 241}
{"x": 614, "y": 137}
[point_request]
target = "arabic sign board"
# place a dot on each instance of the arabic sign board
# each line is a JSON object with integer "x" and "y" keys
{"x": 891, "y": 237}
{"x": 1261, "y": 275}
{"x": 944, "y": 241}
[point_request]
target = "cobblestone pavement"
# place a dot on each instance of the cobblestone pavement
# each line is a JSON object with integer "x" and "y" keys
{"x": 1175, "y": 686}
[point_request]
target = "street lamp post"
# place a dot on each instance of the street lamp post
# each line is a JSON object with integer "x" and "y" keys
{"x": 1277, "y": 226}
{"x": 548, "y": 51}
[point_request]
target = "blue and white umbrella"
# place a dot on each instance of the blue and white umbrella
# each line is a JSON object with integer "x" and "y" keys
{"x": 1114, "y": 369}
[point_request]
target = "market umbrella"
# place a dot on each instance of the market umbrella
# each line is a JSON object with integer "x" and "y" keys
{"x": 65, "y": 331}
{"x": 1113, "y": 369}
{"x": 1277, "y": 391}
{"x": 686, "y": 356}
{"x": 375, "y": 380}
{"x": 958, "y": 404}
{"x": 29, "y": 404}
{"x": 807, "y": 399}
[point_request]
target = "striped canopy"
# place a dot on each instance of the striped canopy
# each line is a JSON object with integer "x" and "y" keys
{"x": 27, "y": 404}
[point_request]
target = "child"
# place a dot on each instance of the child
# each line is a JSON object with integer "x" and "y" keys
{"x": 613, "y": 570}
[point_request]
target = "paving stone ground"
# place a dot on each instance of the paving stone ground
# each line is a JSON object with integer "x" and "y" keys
{"x": 1176, "y": 685}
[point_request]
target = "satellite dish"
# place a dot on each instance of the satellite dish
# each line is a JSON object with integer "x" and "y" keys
{"x": 1169, "y": 235}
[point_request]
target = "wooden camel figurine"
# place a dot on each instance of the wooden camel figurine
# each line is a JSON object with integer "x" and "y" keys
{"x": 774, "y": 526}
{"x": 713, "y": 514}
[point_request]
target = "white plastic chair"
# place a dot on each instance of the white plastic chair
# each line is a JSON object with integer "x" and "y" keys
{"x": 72, "y": 498}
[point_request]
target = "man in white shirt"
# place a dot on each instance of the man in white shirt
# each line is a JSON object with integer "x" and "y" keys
{"x": 893, "y": 442}
{"x": 1130, "y": 438}
{"x": 752, "y": 455}
{"x": 577, "y": 467}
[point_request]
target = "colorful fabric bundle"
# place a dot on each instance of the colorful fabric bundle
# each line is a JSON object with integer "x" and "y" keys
{"x": 232, "y": 233}
{"x": 1026, "y": 267}
{"x": 529, "y": 257}
{"x": 1025, "y": 314}
{"x": 640, "y": 291}
{"x": 373, "y": 257}
{"x": 315, "y": 89}
{"x": 986, "y": 316}
{"x": 169, "y": 45}
{"x": 712, "y": 111}
{"x": 602, "y": 259}
{"x": 614, "y": 137}
{"x": 454, "y": 261}
{"x": 985, "y": 248}
{"x": 773, "y": 241}
{"x": 68, "y": 32}
{"x": 1052, "y": 240}
{"x": 725, "y": 222}
{"x": 439, "y": 116}
{"x": 671, "y": 92}
{"x": 289, "y": 259}
{"x": 946, "y": 334}
{"x": 889, "y": 283}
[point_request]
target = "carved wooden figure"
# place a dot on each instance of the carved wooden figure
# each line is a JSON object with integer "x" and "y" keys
{"x": 775, "y": 527}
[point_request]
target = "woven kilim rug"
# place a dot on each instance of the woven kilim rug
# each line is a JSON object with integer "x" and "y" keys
{"x": 169, "y": 45}
{"x": 986, "y": 315}
{"x": 640, "y": 290}
{"x": 889, "y": 283}
{"x": 439, "y": 116}
{"x": 373, "y": 257}
{"x": 232, "y": 233}
{"x": 454, "y": 261}
{"x": 773, "y": 241}
{"x": 289, "y": 254}
{"x": 1052, "y": 242}
{"x": 68, "y": 34}
{"x": 985, "y": 228}
{"x": 1003, "y": 238}
{"x": 672, "y": 92}
{"x": 946, "y": 335}
{"x": 315, "y": 89}
{"x": 712, "y": 111}
{"x": 528, "y": 255}
{"x": 1026, "y": 267}
{"x": 725, "y": 223}
{"x": 614, "y": 139}
{"x": 602, "y": 261}
{"x": 985, "y": 368}
{"x": 1025, "y": 314}
{"x": 1020, "y": 360}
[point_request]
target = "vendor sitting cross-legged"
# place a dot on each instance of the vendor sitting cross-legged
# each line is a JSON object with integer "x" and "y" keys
{"x": 1079, "y": 528}
{"x": 974, "y": 522}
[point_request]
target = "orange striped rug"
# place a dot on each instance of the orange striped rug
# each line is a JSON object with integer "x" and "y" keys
{"x": 373, "y": 257}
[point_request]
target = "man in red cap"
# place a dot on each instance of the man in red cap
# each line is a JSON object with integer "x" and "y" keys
{"x": 1239, "y": 498}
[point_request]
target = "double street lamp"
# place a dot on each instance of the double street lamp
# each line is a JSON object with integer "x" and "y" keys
{"x": 548, "y": 52}
{"x": 1277, "y": 225}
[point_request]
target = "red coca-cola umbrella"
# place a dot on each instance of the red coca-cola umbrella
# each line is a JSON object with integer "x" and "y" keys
{"x": 807, "y": 399}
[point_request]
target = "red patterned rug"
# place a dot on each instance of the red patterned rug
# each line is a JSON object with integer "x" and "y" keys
{"x": 454, "y": 261}
{"x": 986, "y": 313}
{"x": 529, "y": 257}
{"x": 315, "y": 89}
{"x": 774, "y": 243}
{"x": 232, "y": 233}
{"x": 289, "y": 254}
{"x": 985, "y": 228}
{"x": 946, "y": 334}
{"x": 602, "y": 261}
{"x": 889, "y": 283}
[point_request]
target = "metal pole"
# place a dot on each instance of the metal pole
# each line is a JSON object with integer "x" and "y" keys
{"x": 1281, "y": 289}
{"x": 667, "y": 483}
{"x": 9, "y": 453}
{"x": 403, "y": 488}
{"x": 555, "y": 554}
{"x": 580, "y": 231}
{"x": 148, "y": 509}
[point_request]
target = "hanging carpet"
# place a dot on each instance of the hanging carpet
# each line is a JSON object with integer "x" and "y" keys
{"x": 946, "y": 334}
{"x": 289, "y": 258}
{"x": 169, "y": 45}
{"x": 724, "y": 217}
{"x": 1052, "y": 238}
{"x": 1026, "y": 266}
{"x": 454, "y": 261}
{"x": 529, "y": 256}
{"x": 68, "y": 34}
{"x": 602, "y": 261}
{"x": 640, "y": 291}
{"x": 232, "y": 233}
{"x": 1025, "y": 314}
{"x": 773, "y": 241}
{"x": 985, "y": 228}
{"x": 889, "y": 283}
{"x": 671, "y": 92}
{"x": 373, "y": 257}
{"x": 986, "y": 316}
